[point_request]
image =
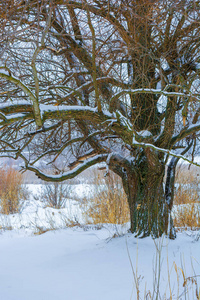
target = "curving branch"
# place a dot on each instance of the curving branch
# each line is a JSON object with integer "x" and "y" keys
{"x": 162, "y": 150}
{"x": 154, "y": 92}
{"x": 185, "y": 133}
{"x": 103, "y": 12}
{"x": 70, "y": 174}
{"x": 27, "y": 91}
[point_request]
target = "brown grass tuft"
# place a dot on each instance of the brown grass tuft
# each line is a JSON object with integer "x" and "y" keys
{"x": 186, "y": 199}
{"x": 11, "y": 190}
{"x": 109, "y": 203}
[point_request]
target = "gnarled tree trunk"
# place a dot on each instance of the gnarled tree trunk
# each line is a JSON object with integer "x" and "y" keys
{"x": 150, "y": 210}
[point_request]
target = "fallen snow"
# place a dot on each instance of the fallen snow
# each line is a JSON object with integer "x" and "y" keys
{"x": 88, "y": 263}
{"x": 35, "y": 215}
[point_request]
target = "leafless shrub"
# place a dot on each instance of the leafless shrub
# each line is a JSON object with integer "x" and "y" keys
{"x": 54, "y": 194}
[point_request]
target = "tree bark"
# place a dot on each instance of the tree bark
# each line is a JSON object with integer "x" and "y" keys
{"x": 150, "y": 213}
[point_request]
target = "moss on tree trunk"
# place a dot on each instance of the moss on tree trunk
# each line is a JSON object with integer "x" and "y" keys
{"x": 150, "y": 213}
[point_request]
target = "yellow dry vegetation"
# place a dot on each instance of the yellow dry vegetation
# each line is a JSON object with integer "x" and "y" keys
{"x": 109, "y": 203}
{"x": 11, "y": 191}
{"x": 186, "y": 199}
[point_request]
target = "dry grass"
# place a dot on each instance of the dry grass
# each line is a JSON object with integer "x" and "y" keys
{"x": 186, "y": 199}
{"x": 41, "y": 230}
{"x": 11, "y": 190}
{"x": 187, "y": 216}
{"x": 109, "y": 202}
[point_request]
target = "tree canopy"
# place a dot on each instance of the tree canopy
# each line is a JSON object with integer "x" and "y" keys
{"x": 103, "y": 81}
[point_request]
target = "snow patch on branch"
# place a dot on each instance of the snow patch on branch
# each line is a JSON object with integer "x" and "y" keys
{"x": 4, "y": 71}
{"x": 124, "y": 121}
{"x": 15, "y": 116}
{"x": 10, "y": 103}
{"x": 155, "y": 91}
{"x": 145, "y": 133}
{"x": 53, "y": 108}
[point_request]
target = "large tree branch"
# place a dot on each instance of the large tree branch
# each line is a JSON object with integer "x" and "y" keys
{"x": 155, "y": 92}
{"x": 185, "y": 133}
{"x": 28, "y": 92}
{"x": 70, "y": 174}
{"x": 162, "y": 150}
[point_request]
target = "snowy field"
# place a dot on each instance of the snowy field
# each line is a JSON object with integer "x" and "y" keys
{"x": 88, "y": 263}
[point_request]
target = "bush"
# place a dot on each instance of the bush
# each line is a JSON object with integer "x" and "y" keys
{"x": 54, "y": 194}
{"x": 108, "y": 204}
{"x": 11, "y": 190}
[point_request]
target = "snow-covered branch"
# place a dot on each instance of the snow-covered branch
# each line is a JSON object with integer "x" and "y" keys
{"x": 70, "y": 174}
{"x": 155, "y": 92}
{"x": 168, "y": 152}
{"x": 28, "y": 92}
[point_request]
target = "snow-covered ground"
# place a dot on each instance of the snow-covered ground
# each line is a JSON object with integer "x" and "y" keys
{"x": 88, "y": 263}
{"x": 36, "y": 216}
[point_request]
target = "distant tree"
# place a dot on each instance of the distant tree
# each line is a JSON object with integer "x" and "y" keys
{"x": 110, "y": 81}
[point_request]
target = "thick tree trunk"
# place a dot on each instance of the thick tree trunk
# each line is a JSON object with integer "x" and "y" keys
{"x": 150, "y": 213}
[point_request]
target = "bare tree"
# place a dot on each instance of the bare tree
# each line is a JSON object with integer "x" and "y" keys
{"x": 106, "y": 81}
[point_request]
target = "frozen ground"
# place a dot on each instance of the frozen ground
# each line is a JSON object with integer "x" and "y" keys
{"x": 89, "y": 264}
